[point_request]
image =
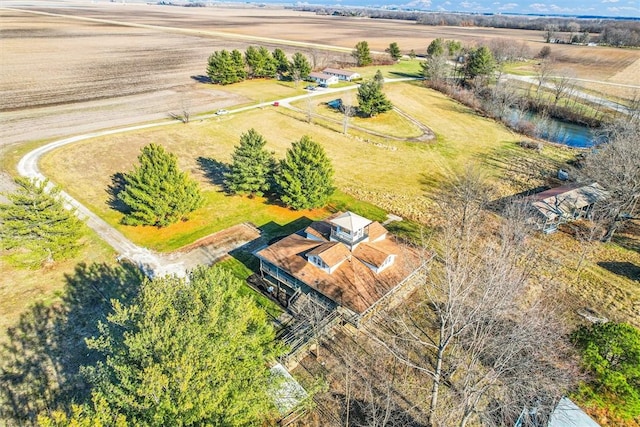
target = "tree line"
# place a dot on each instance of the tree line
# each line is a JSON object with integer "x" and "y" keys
{"x": 157, "y": 193}
{"x": 474, "y": 76}
{"x": 621, "y": 32}
{"x": 226, "y": 67}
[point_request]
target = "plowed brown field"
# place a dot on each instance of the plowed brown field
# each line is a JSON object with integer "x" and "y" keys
{"x": 69, "y": 67}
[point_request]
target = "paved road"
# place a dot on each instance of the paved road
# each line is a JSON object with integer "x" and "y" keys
{"x": 152, "y": 263}
{"x": 596, "y": 100}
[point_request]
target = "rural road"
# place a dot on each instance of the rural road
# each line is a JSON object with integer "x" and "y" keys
{"x": 152, "y": 263}
{"x": 596, "y": 100}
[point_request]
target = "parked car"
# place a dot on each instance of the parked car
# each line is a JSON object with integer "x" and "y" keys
{"x": 310, "y": 87}
{"x": 222, "y": 112}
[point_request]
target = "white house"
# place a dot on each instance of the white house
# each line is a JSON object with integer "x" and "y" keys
{"x": 344, "y": 75}
{"x": 324, "y": 79}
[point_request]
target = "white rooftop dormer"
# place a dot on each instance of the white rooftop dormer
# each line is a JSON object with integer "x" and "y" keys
{"x": 350, "y": 229}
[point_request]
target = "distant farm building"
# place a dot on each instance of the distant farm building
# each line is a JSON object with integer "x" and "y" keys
{"x": 563, "y": 204}
{"x": 323, "y": 79}
{"x": 347, "y": 263}
{"x": 343, "y": 75}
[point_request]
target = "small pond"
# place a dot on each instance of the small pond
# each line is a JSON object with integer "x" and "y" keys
{"x": 571, "y": 134}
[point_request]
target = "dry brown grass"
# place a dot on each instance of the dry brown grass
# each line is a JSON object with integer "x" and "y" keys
{"x": 394, "y": 180}
{"x": 20, "y": 288}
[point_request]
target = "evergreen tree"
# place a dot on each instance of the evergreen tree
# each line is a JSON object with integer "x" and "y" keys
{"x": 223, "y": 69}
{"x": 480, "y": 63}
{"x": 238, "y": 65}
{"x": 299, "y": 67}
{"x": 252, "y": 166}
{"x": 611, "y": 353}
{"x": 187, "y": 352}
{"x": 157, "y": 192}
{"x": 453, "y": 47}
{"x": 362, "y": 54}
{"x": 379, "y": 78}
{"x": 260, "y": 62}
{"x": 305, "y": 178}
{"x": 371, "y": 100}
{"x": 282, "y": 63}
{"x": 394, "y": 51}
{"x": 36, "y": 228}
{"x": 97, "y": 415}
{"x": 436, "y": 47}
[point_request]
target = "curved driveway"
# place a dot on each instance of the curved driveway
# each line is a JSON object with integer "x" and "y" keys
{"x": 152, "y": 263}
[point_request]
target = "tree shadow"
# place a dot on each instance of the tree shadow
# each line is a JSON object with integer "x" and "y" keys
{"x": 628, "y": 236}
{"x": 362, "y": 412}
{"x": 201, "y": 78}
{"x": 213, "y": 170}
{"x": 40, "y": 364}
{"x": 117, "y": 185}
{"x": 399, "y": 74}
{"x": 622, "y": 268}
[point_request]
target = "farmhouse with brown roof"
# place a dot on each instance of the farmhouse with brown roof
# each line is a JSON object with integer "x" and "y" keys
{"x": 566, "y": 203}
{"x": 347, "y": 262}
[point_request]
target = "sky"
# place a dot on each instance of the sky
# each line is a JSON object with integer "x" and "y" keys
{"x": 628, "y": 8}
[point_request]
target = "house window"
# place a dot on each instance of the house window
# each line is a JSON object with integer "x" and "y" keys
{"x": 318, "y": 262}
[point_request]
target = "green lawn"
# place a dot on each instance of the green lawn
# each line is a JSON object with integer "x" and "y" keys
{"x": 392, "y": 175}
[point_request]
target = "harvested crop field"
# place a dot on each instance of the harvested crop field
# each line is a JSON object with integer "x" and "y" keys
{"x": 70, "y": 67}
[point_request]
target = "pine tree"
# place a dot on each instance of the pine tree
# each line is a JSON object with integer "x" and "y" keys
{"x": 223, "y": 69}
{"x": 299, "y": 67}
{"x": 35, "y": 227}
{"x": 371, "y": 100}
{"x": 611, "y": 353}
{"x": 252, "y": 166}
{"x": 260, "y": 62}
{"x": 379, "y": 78}
{"x": 480, "y": 63}
{"x": 305, "y": 178}
{"x": 282, "y": 63}
{"x": 436, "y": 47}
{"x": 362, "y": 54}
{"x": 195, "y": 352}
{"x": 238, "y": 65}
{"x": 394, "y": 51}
{"x": 157, "y": 192}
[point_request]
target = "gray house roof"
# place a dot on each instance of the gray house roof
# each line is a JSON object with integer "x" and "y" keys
{"x": 568, "y": 414}
{"x": 562, "y": 201}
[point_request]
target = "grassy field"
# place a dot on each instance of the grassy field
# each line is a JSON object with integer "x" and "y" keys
{"x": 20, "y": 288}
{"x": 395, "y": 179}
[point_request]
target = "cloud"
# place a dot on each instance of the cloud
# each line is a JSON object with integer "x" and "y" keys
{"x": 473, "y": 5}
{"x": 623, "y": 9}
{"x": 508, "y": 6}
{"x": 539, "y": 7}
{"x": 610, "y": 1}
{"x": 421, "y": 4}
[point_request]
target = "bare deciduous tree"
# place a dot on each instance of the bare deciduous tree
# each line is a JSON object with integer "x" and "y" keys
{"x": 616, "y": 166}
{"x": 544, "y": 70}
{"x": 562, "y": 84}
{"x": 487, "y": 352}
